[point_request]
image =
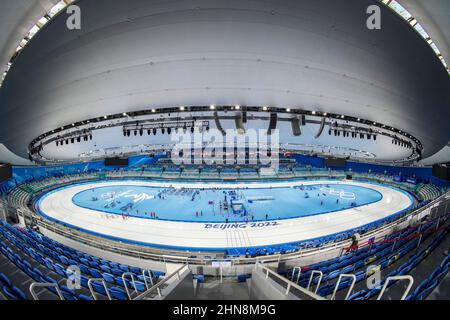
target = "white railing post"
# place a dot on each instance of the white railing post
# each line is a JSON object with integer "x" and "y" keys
{"x": 91, "y": 288}
{"x": 320, "y": 273}
{"x": 395, "y": 278}
{"x": 289, "y": 283}
{"x": 125, "y": 283}
{"x": 288, "y": 288}
{"x": 336, "y": 288}
{"x": 144, "y": 275}
{"x": 298, "y": 274}
{"x": 35, "y": 285}
{"x": 157, "y": 287}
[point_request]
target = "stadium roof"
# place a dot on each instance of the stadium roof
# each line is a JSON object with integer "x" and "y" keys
{"x": 305, "y": 54}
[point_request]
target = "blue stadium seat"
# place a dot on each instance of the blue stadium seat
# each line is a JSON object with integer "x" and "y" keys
{"x": 4, "y": 280}
{"x": 348, "y": 269}
{"x": 64, "y": 260}
{"x": 108, "y": 278}
{"x": 333, "y": 275}
{"x": 118, "y": 293}
{"x": 98, "y": 287}
{"x": 95, "y": 273}
{"x": 117, "y": 272}
{"x": 105, "y": 268}
{"x": 84, "y": 281}
{"x": 59, "y": 269}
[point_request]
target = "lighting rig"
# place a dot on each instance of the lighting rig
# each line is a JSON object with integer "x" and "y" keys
{"x": 133, "y": 125}
{"x": 139, "y": 128}
{"x": 72, "y": 137}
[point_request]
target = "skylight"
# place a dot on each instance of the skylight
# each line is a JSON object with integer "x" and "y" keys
{"x": 406, "y": 15}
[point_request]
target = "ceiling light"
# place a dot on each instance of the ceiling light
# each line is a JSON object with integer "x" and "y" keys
{"x": 237, "y": 107}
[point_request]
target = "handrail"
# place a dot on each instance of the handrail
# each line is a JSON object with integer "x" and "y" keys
{"x": 289, "y": 283}
{"x": 312, "y": 282}
{"x": 336, "y": 288}
{"x": 395, "y": 278}
{"x": 298, "y": 274}
{"x": 157, "y": 286}
{"x": 91, "y": 288}
{"x": 35, "y": 285}
{"x": 125, "y": 283}
{"x": 149, "y": 272}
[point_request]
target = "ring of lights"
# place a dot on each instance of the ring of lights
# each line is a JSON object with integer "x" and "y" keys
{"x": 359, "y": 126}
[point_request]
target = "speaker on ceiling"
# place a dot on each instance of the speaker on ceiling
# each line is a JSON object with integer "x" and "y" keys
{"x": 272, "y": 123}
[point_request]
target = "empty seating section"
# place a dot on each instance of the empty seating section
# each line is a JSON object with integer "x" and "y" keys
{"x": 366, "y": 261}
{"x": 20, "y": 197}
{"x": 430, "y": 283}
{"x": 45, "y": 260}
{"x": 315, "y": 243}
{"x": 354, "y": 262}
{"x": 404, "y": 269}
{"x": 428, "y": 191}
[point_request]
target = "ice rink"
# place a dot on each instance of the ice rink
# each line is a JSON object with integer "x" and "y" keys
{"x": 217, "y": 216}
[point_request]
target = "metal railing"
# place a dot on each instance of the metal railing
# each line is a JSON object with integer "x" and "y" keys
{"x": 410, "y": 280}
{"x": 177, "y": 273}
{"x": 336, "y": 287}
{"x": 311, "y": 280}
{"x": 299, "y": 271}
{"x": 148, "y": 273}
{"x": 36, "y": 285}
{"x": 289, "y": 284}
{"x": 125, "y": 284}
{"x": 92, "y": 289}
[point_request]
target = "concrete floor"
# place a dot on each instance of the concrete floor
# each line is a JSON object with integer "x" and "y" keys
{"x": 228, "y": 290}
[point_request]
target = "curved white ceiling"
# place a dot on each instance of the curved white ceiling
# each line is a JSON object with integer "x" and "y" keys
{"x": 134, "y": 54}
